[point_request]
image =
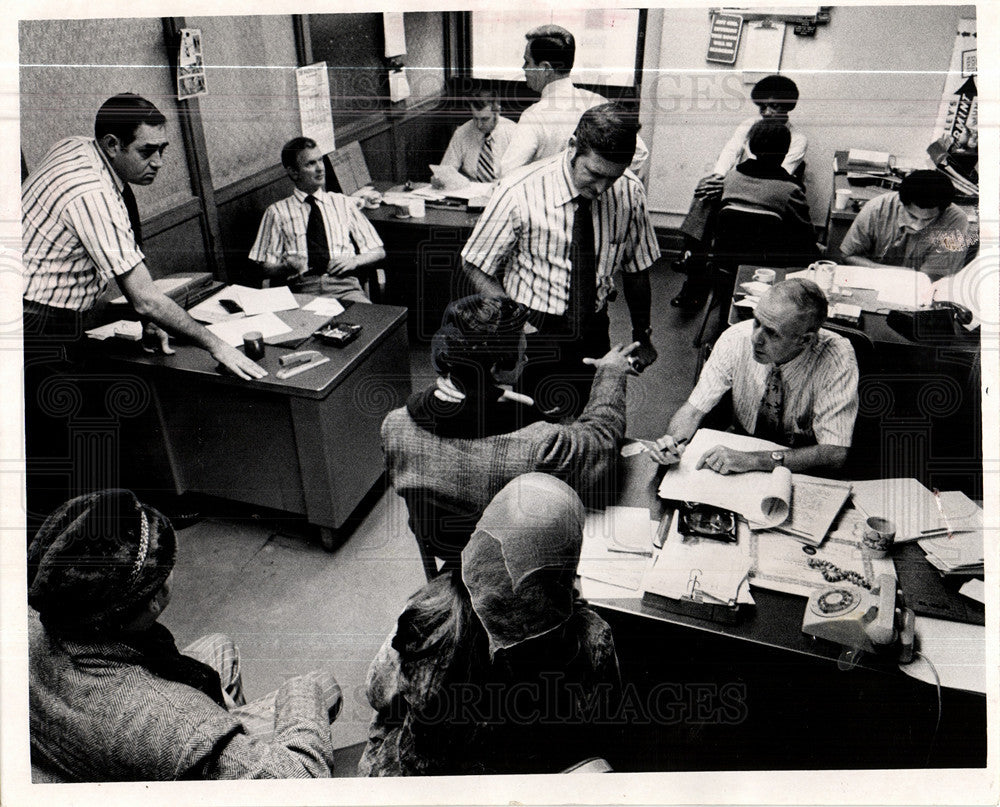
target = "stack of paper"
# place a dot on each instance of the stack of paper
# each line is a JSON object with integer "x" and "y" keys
{"x": 872, "y": 162}
{"x": 815, "y": 504}
{"x": 617, "y": 546}
{"x": 961, "y": 551}
{"x": 916, "y": 512}
{"x": 251, "y": 301}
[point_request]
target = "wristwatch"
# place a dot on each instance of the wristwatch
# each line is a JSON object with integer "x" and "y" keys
{"x": 778, "y": 457}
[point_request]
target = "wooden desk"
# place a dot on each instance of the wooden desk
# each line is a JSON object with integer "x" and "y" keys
{"x": 838, "y": 222}
{"x": 308, "y": 445}
{"x": 422, "y": 260}
{"x": 762, "y": 695}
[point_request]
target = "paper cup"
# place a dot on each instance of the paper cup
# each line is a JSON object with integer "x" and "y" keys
{"x": 842, "y": 199}
{"x": 877, "y": 536}
{"x": 417, "y": 208}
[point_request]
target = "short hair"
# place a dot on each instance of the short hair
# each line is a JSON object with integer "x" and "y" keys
{"x": 122, "y": 114}
{"x": 807, "y": 297}
{"x": 769, "y": 140}
{"x": 552, "y": 44}
{"x": 478, "y": 333}
{"x": 778, "y": 90}
{"x": 926, "y": 188}
{"x": 291, "y": 150}
{"x": 481, "y": 99}
{"x": 609, "y": 130}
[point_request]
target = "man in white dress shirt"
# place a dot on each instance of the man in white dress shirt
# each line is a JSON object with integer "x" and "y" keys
{"x": 792, "y": 383}
{"x": 545, "y": 127}
{"x": 478, "y": 144}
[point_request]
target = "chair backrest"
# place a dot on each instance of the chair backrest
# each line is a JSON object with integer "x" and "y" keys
{"x": 747, "y": 235}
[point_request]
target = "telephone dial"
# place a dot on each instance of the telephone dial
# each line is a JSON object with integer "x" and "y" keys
{"x": 861, "y": 620}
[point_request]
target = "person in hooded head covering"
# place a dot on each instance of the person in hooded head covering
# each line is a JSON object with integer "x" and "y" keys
{"x": 498, "y": 667}
{"x": 111, "y": 698}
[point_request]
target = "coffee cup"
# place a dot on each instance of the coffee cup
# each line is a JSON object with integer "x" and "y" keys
{"x": 417, "y": 208}
{"x": 842, "y": 199}
{"x": 402, "y": 211}
{"x": 764, "y": 276}
{"x": 877, "y": 536}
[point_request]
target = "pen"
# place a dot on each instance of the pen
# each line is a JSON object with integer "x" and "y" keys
{"x": 937, "y": 501}
{"x": 648, "y": 445}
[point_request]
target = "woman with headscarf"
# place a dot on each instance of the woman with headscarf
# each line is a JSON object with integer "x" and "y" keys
{"x": 498, "y": 667}
{"x": 457, "y": 442}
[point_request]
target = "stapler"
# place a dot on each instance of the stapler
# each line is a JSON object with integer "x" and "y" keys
{"x": 294, "y": 363}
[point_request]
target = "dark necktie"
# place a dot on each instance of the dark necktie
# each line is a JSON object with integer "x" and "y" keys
{"x": 583, "y": 278}
{"x": 772, "y": 407}
{"x": 133, "y": 213}
{"x": 316, "y": 243}
{"x": 485, "y": 172}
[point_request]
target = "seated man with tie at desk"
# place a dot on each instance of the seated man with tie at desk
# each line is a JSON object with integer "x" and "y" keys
{"x": 317, "y": 241}
{"x": 541, "y": 228}
{"x": 917, "y": 226}
{"x": 792, "y": 383}
{"x": 478, "y": 144}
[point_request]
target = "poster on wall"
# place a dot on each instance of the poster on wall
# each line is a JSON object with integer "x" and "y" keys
{"x": 956, "y": 132}
{"x": 190, "y": 66}
{"x": 315, "y": 114}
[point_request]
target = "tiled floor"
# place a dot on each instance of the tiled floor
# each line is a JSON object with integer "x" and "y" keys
{"x": 293, "y": 607}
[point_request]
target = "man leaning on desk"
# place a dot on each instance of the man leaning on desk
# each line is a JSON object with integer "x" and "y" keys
{"x": 792, "y": 383}
{"x": 917, "y": 226}
{"x": 81, "y": 229}
{"x": 315, "y": 241}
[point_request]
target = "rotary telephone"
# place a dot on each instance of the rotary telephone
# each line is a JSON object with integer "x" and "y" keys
{"x": 862, "y": 621}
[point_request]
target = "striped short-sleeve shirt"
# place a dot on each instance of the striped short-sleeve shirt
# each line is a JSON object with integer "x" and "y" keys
{"x": 527, "y": 230}
{"x": 76, "y": 233}
{"x": 283, "y": 228}
{"x": 821, "y": 386}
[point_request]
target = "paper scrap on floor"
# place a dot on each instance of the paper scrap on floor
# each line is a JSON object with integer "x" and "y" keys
{"x": 324, "y": 306}
{"x": 779, "y": 562}
{"x": 715, "y": 571}
{"x": 617, "y": 546}
{"x": 231, "y": 331}
{"x": 761, "y": 498}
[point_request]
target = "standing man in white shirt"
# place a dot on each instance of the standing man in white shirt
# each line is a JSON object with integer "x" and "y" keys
{"x": 545, "y": 127}
{"x": 317, "y": 242}
{"x": 478, "y": 144}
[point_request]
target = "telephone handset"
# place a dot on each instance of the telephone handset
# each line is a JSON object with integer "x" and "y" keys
{"x": 861, "y": 620}
{"x": 961, "y": 314}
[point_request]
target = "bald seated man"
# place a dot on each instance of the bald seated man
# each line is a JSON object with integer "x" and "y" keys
{"x": 792, "y": 382}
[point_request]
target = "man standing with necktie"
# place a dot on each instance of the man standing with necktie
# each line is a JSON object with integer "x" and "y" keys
{"x": 559, "y": 229}
{"x": 317, "y": 242}
{"x": 80, "y": 228}
{"x": 478, "y": 144}
{"x": 792, "y": 383}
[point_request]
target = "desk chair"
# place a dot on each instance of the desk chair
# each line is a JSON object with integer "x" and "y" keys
{"x": 743, "y": 235}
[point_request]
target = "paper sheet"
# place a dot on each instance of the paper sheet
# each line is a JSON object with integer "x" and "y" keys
{"x": 209, "y": 310}
{"x": 449, "y": 177}
{"x": 957, "y": 651}
{"x": 627, "y": 529}
{"x": 260, "y": 301}
{"x": 974, "y": 589}
{"x": 781, "y": 563}
{"x": 814, "y": 505}
{"x": 231, "y": 331}
{"x": 129, "y": 329}
{"x": 761, "y": 498}
{"x": 324, "y": 306}
{"x": 164, "y": 284}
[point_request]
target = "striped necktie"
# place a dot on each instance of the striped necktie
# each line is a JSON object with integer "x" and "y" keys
{"x": 772, "y": 407}
{"x": 484, "y": 168}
